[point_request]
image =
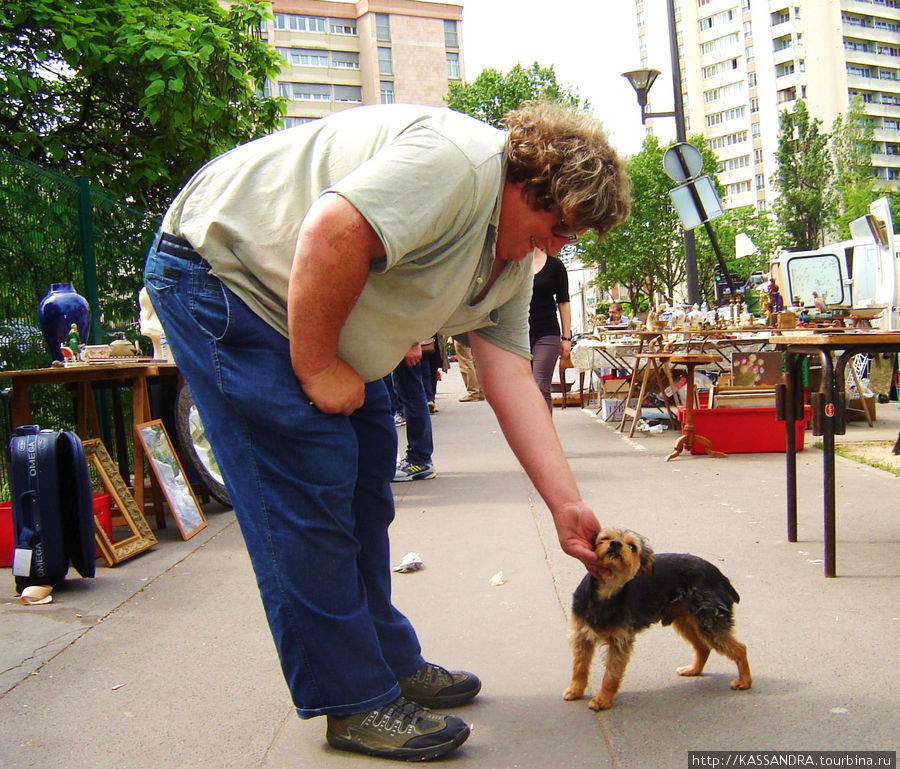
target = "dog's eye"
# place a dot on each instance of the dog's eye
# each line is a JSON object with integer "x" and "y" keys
{"x": 633, "y": 548}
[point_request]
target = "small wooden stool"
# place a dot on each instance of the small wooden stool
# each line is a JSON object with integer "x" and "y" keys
{"x": 647, "y": 364}
{"x": 689, "y": 437}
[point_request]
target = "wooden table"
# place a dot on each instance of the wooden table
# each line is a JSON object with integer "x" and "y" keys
{"x": 647, "y": 365}
{"x": 829, "y": 406}
{"x": 689, "y": 437}
{"x": 82, "y": 378}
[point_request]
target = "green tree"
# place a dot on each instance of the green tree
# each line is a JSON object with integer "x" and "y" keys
{"x": 806, "y": 204}
{"x": 852, "y": 146}
{"x": 646, "y": 254}
{"x": 492, "y": 94}
{"x": 135, "y": 94}
{"x": 642, "y": 253}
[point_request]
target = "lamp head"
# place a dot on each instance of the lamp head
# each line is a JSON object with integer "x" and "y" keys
{"x": 642, "y": 81}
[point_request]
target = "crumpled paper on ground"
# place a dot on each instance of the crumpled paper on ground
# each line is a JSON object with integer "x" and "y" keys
{"x": 409, "y": 562}
{"x": 36, "y": 594}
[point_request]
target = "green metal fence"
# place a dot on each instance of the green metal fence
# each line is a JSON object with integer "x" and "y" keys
{"x": 55, "y": 229}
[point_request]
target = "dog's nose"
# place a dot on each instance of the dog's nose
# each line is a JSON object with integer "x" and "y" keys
{"x": 615, "y": 546}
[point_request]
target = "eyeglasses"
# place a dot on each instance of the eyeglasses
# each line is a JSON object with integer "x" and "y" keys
{"x": 564, "y": 231}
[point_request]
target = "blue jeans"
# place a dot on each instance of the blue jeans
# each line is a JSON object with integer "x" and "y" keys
{"x": 414, "y": 403}
{"x": 311, "y": 492}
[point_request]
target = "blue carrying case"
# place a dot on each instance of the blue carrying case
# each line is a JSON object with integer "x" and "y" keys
{"x": 52, "y": 505}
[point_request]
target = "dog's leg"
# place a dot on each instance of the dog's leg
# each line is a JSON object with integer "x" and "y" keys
{"x": 618, "y": 652}
{"x": 687, "y": 628}
{"x": 728, "y": 645}
{"x": 582, "y": 654}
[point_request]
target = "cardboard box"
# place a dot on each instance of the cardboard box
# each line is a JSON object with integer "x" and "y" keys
{"x": 745, "y": 430}
{"x": 614, "y": 385}
{"x": 611, "y": 409}
{"x": 854, "y": 411}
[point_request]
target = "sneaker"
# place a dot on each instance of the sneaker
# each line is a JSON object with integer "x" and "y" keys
{"x": 434, "y": 687}
{"x": 432, "y": 409}
{"x": 401, "y": 730}
{"x": 399, "y": 420}
{"x": 471, "y": 398}
{"x": 407, "y": 471}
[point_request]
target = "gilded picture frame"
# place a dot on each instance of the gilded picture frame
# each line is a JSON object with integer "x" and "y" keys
{"x": 141, "y": 536}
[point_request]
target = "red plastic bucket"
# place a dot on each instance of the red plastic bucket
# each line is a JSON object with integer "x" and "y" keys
{"x": 102, "y": 509}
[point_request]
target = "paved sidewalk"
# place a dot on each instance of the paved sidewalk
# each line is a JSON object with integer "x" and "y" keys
{"x": 165, "y": 661}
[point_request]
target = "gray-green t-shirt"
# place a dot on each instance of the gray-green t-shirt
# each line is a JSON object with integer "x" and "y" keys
{"x": 429, "y": 182}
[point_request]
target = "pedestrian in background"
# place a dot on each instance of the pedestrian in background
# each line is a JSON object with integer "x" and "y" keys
{"x": 549, "y": 320}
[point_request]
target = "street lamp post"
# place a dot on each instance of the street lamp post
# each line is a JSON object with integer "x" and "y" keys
{"x": 642, "y": 80}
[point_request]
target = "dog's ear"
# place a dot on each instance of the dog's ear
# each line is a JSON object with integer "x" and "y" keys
{"x": 647, "y": 558}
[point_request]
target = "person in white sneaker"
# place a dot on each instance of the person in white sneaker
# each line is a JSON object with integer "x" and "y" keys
{"x": 416, "y": 464}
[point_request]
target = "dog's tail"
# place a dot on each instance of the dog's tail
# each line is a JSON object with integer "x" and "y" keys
{"x": 731, "y": 591}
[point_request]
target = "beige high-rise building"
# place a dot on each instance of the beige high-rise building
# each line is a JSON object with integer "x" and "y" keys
{"x": 743, "y": 62}
{"x": 343, "y": 54}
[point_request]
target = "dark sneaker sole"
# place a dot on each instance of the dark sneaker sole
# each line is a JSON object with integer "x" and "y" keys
{"x": 447, "y": 701}
{"x": 401, "y": 754}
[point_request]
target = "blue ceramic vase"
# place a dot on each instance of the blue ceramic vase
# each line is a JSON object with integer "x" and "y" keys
{"x": 57, "y": 311}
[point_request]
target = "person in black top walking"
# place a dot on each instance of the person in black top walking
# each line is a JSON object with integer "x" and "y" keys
{"x": 549, "y": 320}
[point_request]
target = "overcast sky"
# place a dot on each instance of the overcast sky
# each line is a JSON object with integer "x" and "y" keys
{"x": 589, "y": 43}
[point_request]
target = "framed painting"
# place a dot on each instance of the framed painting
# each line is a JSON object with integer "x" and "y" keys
{"x": 170, "y": 475}
{"x": 141, "y": 536}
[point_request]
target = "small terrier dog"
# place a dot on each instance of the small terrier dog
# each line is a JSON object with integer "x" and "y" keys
{"x": 638, "y": 589}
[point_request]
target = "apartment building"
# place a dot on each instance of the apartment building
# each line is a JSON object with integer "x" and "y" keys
{"x": 743, "y": 62}
{"x": 343, "y": 54}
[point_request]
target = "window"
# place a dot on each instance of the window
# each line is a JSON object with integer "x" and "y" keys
{"x": 719, "y": 43}
{"x": 382, "y": 28}
{"x": 385, "y": 64}
{"x": 782, "y": 43}
{"x": 452, "y": 65}
{"x": 304, "y": 57}
{"x": 738, "y": 188}
{"x": 290, "y": 122}
{"x": 352, "y": 93}
{"x": 720, "y": 68}
{"x": 718, "y": 142}
{"x": 387, "y": 92}
{"x": 297, "y": 23}
{"x": 342, "y": 27}
{"x": 784, "y": 69}
{"x": 305, "y": 91}
{"x": 345, "y": 59}
{"x": 718, "y": 118}
{"x": 733, "y": 164}
{"x": 451, "y": 34}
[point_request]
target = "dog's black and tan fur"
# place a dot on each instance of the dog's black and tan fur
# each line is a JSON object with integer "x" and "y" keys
{"x": 638, "y": 589}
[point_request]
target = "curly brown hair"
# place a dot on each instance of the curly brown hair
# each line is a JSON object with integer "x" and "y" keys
{"x": 567, "y": 165}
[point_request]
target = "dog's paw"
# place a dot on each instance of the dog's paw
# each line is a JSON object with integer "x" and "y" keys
{"x": 689, "y": 670}
{"x": 741, "y": 683}
{"x": 573, "y": 693}
{"x": 600, "y": 703}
